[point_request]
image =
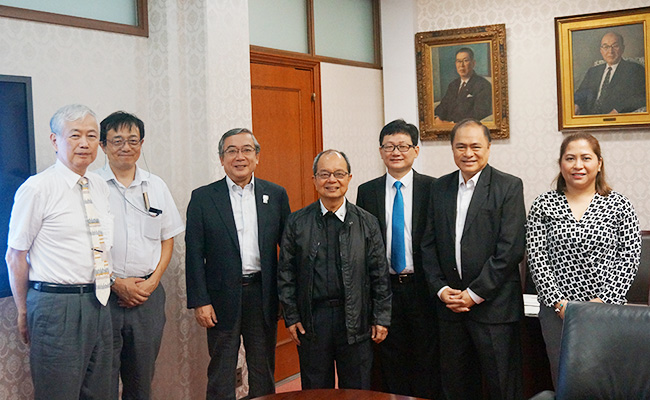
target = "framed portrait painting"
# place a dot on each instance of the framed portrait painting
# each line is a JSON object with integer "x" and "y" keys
{"x": 462, "y": 74}
{"x": 602, "y": 77}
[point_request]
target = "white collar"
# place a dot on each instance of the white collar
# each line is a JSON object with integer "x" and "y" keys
{"x": 340, "y": 213}
{"x": 406, "y": 180}
{"x": 473, "y": 180}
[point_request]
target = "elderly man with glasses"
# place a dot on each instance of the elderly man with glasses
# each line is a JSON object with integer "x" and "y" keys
{"x": 234, "y": 228}
{"x": 146, "y": 221}
{"x": 333, "y": 282}
{"x": 614, "y": 86}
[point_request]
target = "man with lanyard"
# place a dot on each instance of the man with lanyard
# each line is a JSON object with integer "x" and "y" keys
{"x": 59, "y": 237}
{"x": 146, "y": 221}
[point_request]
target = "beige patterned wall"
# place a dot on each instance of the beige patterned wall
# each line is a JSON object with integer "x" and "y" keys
{"x": 531, "y": 151}
{"x": 352, "y": 119}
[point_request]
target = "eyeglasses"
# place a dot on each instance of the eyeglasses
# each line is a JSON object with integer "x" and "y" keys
{"x": 606, "y": 47}
{"x": 340, "y": 174}
{"x": 246, "y": 151}
{"x": 389, "y": 148}
{"x": 119, "y": 142}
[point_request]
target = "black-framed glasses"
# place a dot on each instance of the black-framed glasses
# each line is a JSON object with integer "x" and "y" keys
{"x": 606, "y": 47}
{"x": 119, "y": 142}
{"x": 233, "y": 151}
{"x": 389, "y": 148}
{"x": 340, "y": 174}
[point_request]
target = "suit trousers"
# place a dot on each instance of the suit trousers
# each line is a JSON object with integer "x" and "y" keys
{"x": 469, "y": 349}
{"x": 328, "y": 346}
{"x": 409, "y": 357}
{"x": 137, "y": 334}
{"x": 259, "y": 343}
{"x": 71, "y": 347}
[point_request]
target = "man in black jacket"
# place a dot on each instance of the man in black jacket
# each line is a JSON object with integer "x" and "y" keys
{"x": 333, "y": 282}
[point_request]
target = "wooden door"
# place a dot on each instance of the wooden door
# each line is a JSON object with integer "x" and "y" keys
{"x": 286, "y": 121}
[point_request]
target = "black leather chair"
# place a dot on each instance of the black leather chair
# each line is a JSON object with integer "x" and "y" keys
{"x": 605, "y": 352}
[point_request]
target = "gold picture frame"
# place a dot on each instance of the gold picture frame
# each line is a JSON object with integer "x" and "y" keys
{"x": 442, "y": 98}
{"x": 589, "y": 95}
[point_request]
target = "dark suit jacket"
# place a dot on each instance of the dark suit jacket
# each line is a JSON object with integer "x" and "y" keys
{"x": 493, "y": 244}
{"x": 371, "y": 196}
{"x": 474, "y": 101}
{"x": 625, "y": 93}
{"x": 213, "y": 263}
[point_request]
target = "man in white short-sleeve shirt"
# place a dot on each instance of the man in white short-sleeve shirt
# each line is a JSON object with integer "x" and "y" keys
{"x": 51, "y": 260}
{"x": 146, "y": 221}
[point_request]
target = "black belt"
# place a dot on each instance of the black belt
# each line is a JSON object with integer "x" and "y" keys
{"x": 247, "y": 279}
{"x": 328, "y": 303}
{"x": 58, "y": 288}
{"x": 402, "y": 278}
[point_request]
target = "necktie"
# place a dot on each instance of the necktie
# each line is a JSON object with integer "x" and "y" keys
{"x": 603, "y": 91}
{"x": 397, "y": 248}
{"x": 102, "y": 272}
{"x": 462, "y": 86}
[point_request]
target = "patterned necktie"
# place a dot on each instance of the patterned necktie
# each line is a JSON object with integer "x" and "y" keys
{"x": 397, "y": 248}
{"x": 102, "y": 272}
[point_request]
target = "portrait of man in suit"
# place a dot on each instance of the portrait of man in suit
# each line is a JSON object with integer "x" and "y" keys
{"x": 234, "y": 227}
{"x": 471, "y": 249}
{"x": 615, "y": 84}
{"x": 467, "y": 96}
{"x": 408, "y": 358}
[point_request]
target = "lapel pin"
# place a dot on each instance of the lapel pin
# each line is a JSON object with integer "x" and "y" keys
{"x": 265, "y": 198}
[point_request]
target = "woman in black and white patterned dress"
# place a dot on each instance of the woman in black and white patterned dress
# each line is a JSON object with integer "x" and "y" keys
{"x": 583, "y": 240}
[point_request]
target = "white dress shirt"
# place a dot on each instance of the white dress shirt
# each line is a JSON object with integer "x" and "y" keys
{"x": 138, "y": 234}
{"x": 407, "y": 195}
{"x": 48, "y": 219}
{"x": 463, "y": 199}
{"x": 245, "y": 213}
{"x": 611, "y": 76}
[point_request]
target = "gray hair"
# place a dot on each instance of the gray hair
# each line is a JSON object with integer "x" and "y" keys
{"x": 237, "y": 131}
{"x": 330, "y": 151}
{"x": 71, "y": 112}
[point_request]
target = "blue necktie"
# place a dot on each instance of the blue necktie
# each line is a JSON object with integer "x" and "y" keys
{"x": 397, "y": 249}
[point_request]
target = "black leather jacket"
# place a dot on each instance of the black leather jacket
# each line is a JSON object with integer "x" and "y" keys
{"x": 364, "y": 269}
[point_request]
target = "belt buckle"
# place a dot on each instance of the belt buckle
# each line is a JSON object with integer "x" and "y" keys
{"x": 402, "y": 278}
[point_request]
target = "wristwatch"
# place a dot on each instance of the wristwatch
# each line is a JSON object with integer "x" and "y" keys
{"x": 113, "y": 277}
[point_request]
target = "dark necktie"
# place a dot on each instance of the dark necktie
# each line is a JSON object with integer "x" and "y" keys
{"x": 397, "y": 248}
{"x": 603, "y": 91}
{"x": 462, "y": 86}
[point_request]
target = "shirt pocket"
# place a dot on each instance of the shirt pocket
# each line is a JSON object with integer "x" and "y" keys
{"x": 152, "y": 227}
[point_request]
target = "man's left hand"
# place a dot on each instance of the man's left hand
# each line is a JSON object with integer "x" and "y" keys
{"x": 463, "y": 305}
{"x": 129, "y": 292}
{"x": 379, "y": 333}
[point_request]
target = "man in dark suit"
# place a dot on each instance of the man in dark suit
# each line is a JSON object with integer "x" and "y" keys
{"x": 615, "y": 86}
{"x": 409, "y": 355}
{"x": 468, "y": 96}
{"x": 234, "y": 226}
{"x": 474, "y": 241}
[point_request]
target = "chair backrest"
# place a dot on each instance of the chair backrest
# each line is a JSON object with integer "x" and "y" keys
{"x": 605, "y": 352}
{"x": 639, "y": 292}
